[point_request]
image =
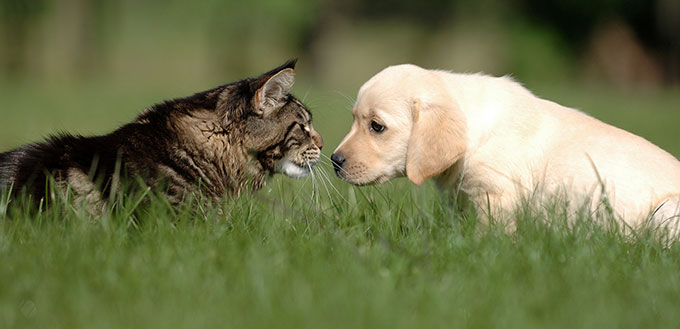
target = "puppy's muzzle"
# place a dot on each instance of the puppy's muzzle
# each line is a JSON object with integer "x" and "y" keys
{"x": 338, "y": 160}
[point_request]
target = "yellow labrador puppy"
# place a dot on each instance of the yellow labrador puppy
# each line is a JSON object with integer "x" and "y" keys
{"x": 494, "y": 141}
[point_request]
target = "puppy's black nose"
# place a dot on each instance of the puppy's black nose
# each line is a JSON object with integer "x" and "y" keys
{"x": 338, "y": 159}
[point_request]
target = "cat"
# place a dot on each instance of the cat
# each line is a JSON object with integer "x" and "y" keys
{"x": 219, "y": 141}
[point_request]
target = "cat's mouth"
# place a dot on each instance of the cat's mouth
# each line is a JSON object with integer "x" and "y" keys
{"x": 292, "y": 169}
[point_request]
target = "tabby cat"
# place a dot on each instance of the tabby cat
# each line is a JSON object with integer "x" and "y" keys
{"x": 220, "y": 140}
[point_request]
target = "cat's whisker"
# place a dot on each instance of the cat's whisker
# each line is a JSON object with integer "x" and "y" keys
{"x": 299, "y": 191}
{"x": 306, "y": 93}
{"x": 347, "y": 98}
{"x": 323, "y": 181}
{"x": 324, "y": 178}
{"x": 324, "y": 174}
{"x": 335, "y": 188}
{"x": 315, "y": 185}
{"x": 328, "y": 179}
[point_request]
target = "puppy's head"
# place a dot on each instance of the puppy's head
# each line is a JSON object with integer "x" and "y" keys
{"x": 405, "y": 123}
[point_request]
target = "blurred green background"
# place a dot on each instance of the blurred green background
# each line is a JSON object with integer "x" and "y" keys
{"x": 87, "y": 66}
{"x": 390, "y": 256}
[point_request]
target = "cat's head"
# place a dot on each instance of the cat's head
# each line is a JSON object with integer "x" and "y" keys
{"x": 276, "y": 128}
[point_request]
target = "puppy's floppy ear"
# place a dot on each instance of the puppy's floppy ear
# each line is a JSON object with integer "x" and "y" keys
{"x": 273, "y": 92}
{"x": 437, "y": 139}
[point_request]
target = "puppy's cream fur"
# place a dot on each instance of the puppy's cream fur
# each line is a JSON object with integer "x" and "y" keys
{"x": 494, "y": 141}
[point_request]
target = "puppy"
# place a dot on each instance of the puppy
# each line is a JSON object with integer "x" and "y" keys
{"x": 496, "y": 143}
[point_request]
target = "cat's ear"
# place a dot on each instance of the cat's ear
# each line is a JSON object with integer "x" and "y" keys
{"x": 274, "y": 91}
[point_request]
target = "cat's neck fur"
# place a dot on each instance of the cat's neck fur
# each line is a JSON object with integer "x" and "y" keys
{"x": 199, "y": 146}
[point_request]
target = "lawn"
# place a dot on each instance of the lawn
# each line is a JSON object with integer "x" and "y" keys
{"x": 318, "y": 253}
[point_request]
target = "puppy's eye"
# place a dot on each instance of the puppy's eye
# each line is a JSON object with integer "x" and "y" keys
{"x": 376, "y": 127}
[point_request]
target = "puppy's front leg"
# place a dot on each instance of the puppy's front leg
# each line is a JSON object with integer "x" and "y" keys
{"x": 495, "y": 208}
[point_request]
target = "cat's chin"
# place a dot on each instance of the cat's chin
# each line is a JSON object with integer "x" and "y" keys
{"x": 290, "y": 169}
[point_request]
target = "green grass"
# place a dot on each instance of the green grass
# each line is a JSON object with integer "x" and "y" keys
{"x": 294, "y": 255}
{"x": 390, "y": 257}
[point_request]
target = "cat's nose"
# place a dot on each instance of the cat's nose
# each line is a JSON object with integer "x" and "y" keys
{"x": 338, "y": 160}
{"x": 316, "y": 138}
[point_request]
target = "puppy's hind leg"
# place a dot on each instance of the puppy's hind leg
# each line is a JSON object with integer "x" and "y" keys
{"x": 666, "y": 218}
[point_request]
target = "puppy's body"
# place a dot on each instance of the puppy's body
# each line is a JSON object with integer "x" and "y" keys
{"x": 518, "y": 143}
{"x": 497, "y": 143}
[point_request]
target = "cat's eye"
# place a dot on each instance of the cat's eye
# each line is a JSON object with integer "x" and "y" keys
{"x": 376, "y": 127}
{"x": 304, "y": 128}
